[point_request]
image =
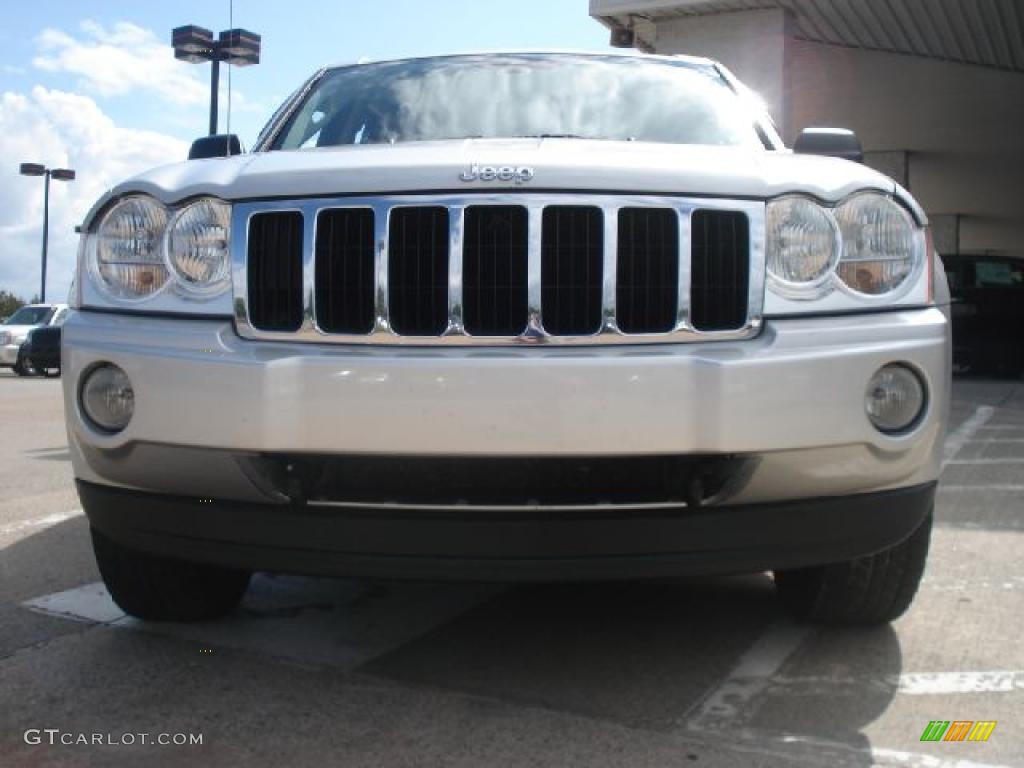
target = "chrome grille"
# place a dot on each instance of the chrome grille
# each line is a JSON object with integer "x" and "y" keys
{"x": 499, "y": 269}
{"x": 494, "y": 255}
{"x": 647, "y": 285}
{"x": 418, "y": 270}
{"x": 344, "y": 270}
{"x": 572, "y": 257}
{"x": 719, "y": 268}
{"x": 275, "y": 271}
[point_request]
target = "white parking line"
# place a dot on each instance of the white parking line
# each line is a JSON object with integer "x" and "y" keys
{"x": 982, "y": 462}
{"x": 896, "y": 757}
{"x": 1010, "y": 488}
{"x": 758, "y": 671}
{"x": 909, "y": 684}
{"x": 799, "y": 749}
{"x": 318, "y": 622}
{"x": 973, "y": 585}
{"x": 959, "y": 437}
{"x": 38, "y": 522}
{"x": 942, "y": 683}
{"x": 91, "y": 603}
{"x": 749, "y": 677}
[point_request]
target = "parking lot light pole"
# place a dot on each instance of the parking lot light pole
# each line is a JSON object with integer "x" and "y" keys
{"x": 196, "y": 45}
{"x": 61, "y": 174}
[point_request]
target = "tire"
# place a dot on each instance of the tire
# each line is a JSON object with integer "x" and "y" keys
{"x": 23, "y": 367}
{"x": 869, "y": 590}
{"x": 157, "y": 588}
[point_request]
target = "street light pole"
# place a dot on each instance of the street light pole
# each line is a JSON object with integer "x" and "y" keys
{"x": 214, "y": 91}
{"x": 196, "y": 45}
{"x": 61, "y": 174}
{"x": 46, "y": 233}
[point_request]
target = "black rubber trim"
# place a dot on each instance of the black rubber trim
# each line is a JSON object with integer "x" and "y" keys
{"x": 532, "y": 545}
{"x": 153, "y": 313}
{"x": 876, "y": 310}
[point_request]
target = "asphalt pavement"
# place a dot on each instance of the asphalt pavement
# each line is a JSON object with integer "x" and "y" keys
{"x": 701, "y": 671}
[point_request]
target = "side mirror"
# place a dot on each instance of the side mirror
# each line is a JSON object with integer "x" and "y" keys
{"x": 834, "y": 142}
{"x": 218, "y": 145}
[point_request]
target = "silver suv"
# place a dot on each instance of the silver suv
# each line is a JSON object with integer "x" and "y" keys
{"x": 517, "y": 316}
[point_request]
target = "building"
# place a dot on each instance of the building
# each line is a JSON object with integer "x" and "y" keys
{"x": 933, "y": 88}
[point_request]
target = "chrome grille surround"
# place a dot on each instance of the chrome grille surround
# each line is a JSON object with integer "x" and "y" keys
{"x": 455, "y": 334}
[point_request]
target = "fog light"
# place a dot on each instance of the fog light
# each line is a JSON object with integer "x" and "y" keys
{"x": 895, "y": 398}
{"x": 107, "y": 398}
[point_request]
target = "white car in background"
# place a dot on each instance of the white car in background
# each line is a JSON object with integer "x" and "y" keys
{"x": 536, "y": 316}
{"x": 15, "y": 329}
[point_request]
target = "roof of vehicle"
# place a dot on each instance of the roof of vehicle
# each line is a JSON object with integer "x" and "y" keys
{"x": 677, "y": 58}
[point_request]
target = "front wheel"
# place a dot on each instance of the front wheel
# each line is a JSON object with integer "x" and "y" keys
{"x": 164, "y": 589}
{"x": 869, "y": 590}
{"x": 23, "y": 367}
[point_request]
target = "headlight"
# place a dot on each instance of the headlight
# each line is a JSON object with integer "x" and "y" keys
{"x": 128, "y": 260}
{"x": 197, "y": 247}
{"x": 139, "y": 249}
{"x": 881, "y": 244}
{"x": 866, "y": 251}
{"x": 802, "y": 248}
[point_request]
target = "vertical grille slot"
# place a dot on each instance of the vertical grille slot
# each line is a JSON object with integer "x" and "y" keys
{"x": 720, "y": 270}
{"x": 572, "y": 256}
{"x": 345, "y": 270}
{"x": 418, "y": 270}
{"x": 275, "y": 271}
{"x": 494, "y": 263}
{"x": 647, "y": 290}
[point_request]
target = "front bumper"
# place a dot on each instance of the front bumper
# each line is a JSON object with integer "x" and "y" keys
{"x": 508, "y": 546}
{"x": 792, "y": 400}
{"x": 9, "y": 354}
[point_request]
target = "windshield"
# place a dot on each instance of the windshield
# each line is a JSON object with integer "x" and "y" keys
{"x": 521, "y": 95}
{"x": 31, "y": 316}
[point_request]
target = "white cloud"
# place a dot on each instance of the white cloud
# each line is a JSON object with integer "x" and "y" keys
{"x": 120, "y": 59}
{"x": 64, "y": 129}
{"x": 126, "y": 58}
{"x": 70, "y": 130}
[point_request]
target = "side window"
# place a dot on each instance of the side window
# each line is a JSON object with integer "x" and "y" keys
{"x": 998, "y": 274}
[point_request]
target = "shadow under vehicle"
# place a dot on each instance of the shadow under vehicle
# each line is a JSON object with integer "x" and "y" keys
{"x": 988, "y": 313}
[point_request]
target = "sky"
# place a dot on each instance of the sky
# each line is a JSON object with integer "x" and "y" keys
{"x": 94, "y": 86}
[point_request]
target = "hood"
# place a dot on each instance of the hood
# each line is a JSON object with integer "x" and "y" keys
{"x": 557, "y": 165}
{"x": 18, "y": 331}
